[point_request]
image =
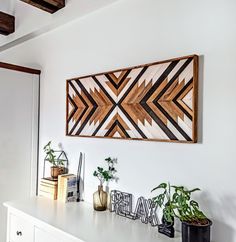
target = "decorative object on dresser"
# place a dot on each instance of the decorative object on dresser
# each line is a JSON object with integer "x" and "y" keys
{"x": 7, "y": 24}
{"x": 103, "y": 175}
{"x": 145, "y": 210}
{"x": 195, "y": 225}
{"x": 67, "y": 188}
{"x": 58, "y": 159}
{"x": 50, "y": 6}
{"x": 156, "y": 101}
{"x": 48, "y": 188}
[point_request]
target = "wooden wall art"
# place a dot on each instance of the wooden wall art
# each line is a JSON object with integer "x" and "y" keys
{"x": 157, "y": 101}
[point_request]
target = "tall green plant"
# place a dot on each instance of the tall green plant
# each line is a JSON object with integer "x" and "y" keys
{"x": 176, "y": 202}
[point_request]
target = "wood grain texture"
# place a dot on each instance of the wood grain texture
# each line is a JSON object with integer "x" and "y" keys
{"x": 50, "y": 6}
{"x": 7, "y": 24}
{"x": 156, "y": 101}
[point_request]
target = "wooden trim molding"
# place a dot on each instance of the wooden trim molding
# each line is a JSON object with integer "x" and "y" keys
{"x": 19, "y": 68}
{"x": 50, "y": 6}
{"x": 7, "y": 24}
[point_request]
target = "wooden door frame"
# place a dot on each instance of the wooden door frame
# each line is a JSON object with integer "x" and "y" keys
{"x": 35, "y": 123}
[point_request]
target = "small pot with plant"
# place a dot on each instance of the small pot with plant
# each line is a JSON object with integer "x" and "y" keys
{"x": 57, "y": 167}
{"x": 178, "y": 204}
{"x": 103, "y": 175}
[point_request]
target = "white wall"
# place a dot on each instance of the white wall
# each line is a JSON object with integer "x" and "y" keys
{"x": 31, "y": 21}
{"x": 135, "y": 32}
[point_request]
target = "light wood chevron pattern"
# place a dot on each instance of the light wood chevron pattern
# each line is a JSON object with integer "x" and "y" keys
{"x": 156, "y": 101}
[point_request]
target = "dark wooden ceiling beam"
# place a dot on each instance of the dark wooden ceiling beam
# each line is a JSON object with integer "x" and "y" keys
{"x": 7, "y": 23}
{"x": 50, "y": 6}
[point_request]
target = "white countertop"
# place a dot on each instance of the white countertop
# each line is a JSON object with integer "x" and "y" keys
{"x": 82, "y": 222}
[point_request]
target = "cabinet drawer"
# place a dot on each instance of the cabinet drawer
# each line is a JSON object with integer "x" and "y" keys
{"x": 20, "y": 230}
{"x": 42, "y": 235}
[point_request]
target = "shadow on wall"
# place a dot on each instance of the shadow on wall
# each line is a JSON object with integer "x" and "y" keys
{"x": 224, "y": 221}
{"x": 222, "y": 232}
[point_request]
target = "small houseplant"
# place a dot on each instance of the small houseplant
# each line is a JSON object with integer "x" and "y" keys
{"x": 103, "y": 175}
{"x": 57, "y": 167}
{"x": 178, "y": 204}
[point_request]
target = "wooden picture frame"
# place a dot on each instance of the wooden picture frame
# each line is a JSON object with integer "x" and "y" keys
{"x": 154, "y": 102}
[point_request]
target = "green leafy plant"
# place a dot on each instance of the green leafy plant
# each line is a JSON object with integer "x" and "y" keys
{"x": 176, "y": 202}
{"x": 104, "y": 174}
{"x": 50, "y": 155}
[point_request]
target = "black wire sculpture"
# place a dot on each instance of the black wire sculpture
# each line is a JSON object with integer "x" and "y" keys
{"x": 122, "y": 204}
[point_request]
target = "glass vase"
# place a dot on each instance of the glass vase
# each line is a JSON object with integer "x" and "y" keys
{"x": 100, "y": 199}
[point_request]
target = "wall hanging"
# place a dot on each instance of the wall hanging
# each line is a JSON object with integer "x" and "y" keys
{"x": 156, "y": 101}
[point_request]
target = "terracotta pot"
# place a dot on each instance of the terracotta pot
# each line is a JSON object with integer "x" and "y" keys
{"x": 56, "y": 171}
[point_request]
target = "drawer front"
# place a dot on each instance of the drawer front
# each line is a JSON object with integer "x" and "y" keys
{"x": 42, "y": 235}
{"x": 20, "y": 230}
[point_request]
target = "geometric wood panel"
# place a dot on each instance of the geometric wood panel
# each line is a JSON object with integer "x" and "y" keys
{"x": 156, "y": 101}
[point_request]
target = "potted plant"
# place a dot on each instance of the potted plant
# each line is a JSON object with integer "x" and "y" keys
{"x": 178, "y": 204}
{"x": 57, "y": 167}
{"x": 103, "y": 175}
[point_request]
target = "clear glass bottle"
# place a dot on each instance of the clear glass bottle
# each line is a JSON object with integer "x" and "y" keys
{"x": 100, "y": 199}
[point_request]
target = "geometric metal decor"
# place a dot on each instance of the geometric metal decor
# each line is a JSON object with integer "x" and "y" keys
{"x": 156, "y": 101}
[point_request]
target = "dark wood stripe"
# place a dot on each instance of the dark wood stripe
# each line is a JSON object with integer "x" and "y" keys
{"x": 178, "y": 95}
{"x": 74, "y": 106}
{"x": 133, "y": 84}
{"x": 91, "y": 112}
{"x": 123, "y": 130}
{"x": 183, "y": 89}
{"x": 124, "y": 96}
{"x": 117, "y": 123}
{"x": 123, "y": 78}
{"x": 172, "y": 121}
{"x": 181, "y": 69}
{"x": 163, "y": 77}
{"x": 86, "y": 107}
{"x": 132, "y": 122}
{"x": 111, "y": 128}
{"x": 104, "y": 120}
{"x": 104, "y": 90}
{"x": 110, "y": 80}
{"x": 90, "y": 98}
{"x": 111, "y": 110}
{"x": 158, "y": 121}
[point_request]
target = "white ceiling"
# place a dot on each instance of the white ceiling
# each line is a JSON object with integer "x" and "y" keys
{"x": 31, "y": 22}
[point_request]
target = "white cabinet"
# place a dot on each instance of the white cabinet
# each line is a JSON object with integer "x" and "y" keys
{"x": 52, "y": 221}
{"x": 20, "y": 230}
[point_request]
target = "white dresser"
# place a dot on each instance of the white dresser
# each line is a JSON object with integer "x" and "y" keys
{"x": 43, "y": 220}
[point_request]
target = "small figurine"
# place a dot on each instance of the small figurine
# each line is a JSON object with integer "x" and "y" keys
{"x": 167, "y": 228}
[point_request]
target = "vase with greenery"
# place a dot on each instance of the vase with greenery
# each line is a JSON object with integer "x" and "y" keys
{"x": 176, "y": 202}
{"x": 57, "y": 167}
{"x": 100, "y": 197}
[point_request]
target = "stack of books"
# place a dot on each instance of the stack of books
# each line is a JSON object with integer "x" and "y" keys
{"x": 48, "y": 188}
{"x": 67, "y": 188}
